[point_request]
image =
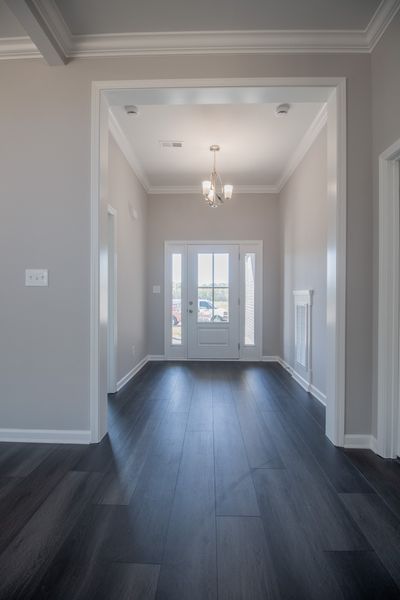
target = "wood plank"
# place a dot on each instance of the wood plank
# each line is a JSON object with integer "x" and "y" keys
{"x": 235, "y": 493}
{"x": 74, "y": 580}
{"x": 25, "y": 497}
{"x": 380, "y": 526}
{"x": 361, "y": 576}
{"x": 200, "y": 415}
{"x": 28, "y": 556}
{"x": 245, "y": 567}
{"x": 189, "y": 565}
{"x": 260, "y": 447}
{"x": 299, "y": 564}
{"x": 383, "y": 475}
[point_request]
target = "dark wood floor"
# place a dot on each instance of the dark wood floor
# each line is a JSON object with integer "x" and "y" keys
{"x": 216, "y": 481}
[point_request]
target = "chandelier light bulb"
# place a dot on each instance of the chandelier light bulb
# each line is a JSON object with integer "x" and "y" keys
{"x": 206, "y": 185}
{"x": 228, "y": 191}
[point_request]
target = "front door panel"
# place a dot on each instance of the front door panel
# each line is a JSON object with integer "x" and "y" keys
{"x": 213, "y": 301}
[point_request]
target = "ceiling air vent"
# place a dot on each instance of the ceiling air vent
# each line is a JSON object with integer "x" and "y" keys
{"x": 171, "y": 144}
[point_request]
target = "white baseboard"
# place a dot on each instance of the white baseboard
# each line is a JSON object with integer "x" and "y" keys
{"x": 270, "y": 359}
{"x": 46, "y": 436}
{"x": 285, "y": 365}
{"x": 301, "y": 381}
{"x": 361, "y": 441}
{"x": 318, "y": 395}
{"x": 157, "y": 357}
{"x": 124, "y": 380}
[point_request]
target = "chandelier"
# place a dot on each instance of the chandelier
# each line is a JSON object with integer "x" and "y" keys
{"x": 214, "y": 192}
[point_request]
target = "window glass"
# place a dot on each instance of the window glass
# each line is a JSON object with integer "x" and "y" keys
{"x": 176, "y": 331}
{"x": 249, "y": 287}
{"x": 213, "y": 287}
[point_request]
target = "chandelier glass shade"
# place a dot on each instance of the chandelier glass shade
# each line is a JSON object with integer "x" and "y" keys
{"x": 214, "y": 191}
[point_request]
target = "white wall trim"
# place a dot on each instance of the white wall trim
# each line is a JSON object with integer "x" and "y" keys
{"x": 196, "y": 189}
{"x": 380, "y": 21}
{"x": 126, "y": 378}
{"x": 157, "y": 357}
{"x": 320, "y": 396}
{"x": 205, "y": 42}
{"x": 46, "y": 436}
{"x": 271, "y": 359}
{"x": 360, "y": 441}
{"x": 126, "y": 148}
{"x": 388, "y": 442}
{"x": 305, "y": 144}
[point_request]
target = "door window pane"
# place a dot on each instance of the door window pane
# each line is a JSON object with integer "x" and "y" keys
{"x": 213, "y": 288}
{"x": 176, "y": 332}
{"x": 249, "y": 288}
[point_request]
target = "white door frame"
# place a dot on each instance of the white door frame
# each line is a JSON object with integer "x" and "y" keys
{"x": 112, "y": 322}
{"x": 247, "y": 353}
{"x": 336, "y": 252}
{"x": 388, "y": 438}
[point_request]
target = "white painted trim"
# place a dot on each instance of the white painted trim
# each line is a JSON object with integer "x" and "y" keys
{"x": 131, "y": 374}
{"x": 388, "y": 442}
{"x": 336, "y": 269}
{"x": 305, "y": 144}
{"x": 270, "y": 359}
{"x": 196, "y": 189}
{"x": 301, "y": 381}
{"x": 320, "y": 396}
{"x": 206, "y": 42}
{"x": 46, "y": 436}
{"x": 39, "y": 25}
{"x": 112, "y": 304}
{"x": 126, "y": 148}
{"x": 157, "y": 357}
{"x": 380, "y": 21}
{"x": 360, "y": 441}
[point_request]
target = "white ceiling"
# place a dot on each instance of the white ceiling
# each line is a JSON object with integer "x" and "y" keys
{"x": 256, "y": 146}
{"x": 9, "y": 24}
{"x": 118, "y": 16}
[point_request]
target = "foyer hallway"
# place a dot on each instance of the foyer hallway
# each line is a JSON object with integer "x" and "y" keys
{"x": 216, "y": 481}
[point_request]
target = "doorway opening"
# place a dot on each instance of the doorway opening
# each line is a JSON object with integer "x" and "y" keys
{"x": 332, "y": 92}
{"x": 213, "y": 300}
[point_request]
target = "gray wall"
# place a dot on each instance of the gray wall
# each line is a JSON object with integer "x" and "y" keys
{"x": 186, "y": 217}
{"x": 45, "y": 196}
{"x": 124, "y": 190}
{"x": 386, "y": 131}
{"x": 303, "y": 207}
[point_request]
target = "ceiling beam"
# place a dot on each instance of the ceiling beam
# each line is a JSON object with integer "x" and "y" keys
{"x": 39, "y": 28}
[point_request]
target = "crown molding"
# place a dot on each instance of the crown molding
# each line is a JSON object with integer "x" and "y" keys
{"x": 196, "y": 189}
{"x": 306, "y": 142}
{"x": 18, "y": 47}
{"x": 203, "y": 42}
{"x": 380, "y": 21}
{"x": 126, "y": 148}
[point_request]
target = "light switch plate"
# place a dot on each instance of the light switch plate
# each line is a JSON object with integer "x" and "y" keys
{"x": 37, "y": 277}
{"x": 156, "y": 289}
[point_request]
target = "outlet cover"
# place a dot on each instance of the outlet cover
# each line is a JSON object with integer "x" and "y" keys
{"x": 37, "y": 277}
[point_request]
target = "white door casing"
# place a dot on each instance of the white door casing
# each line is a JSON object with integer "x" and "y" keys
{"x": 388, "y": 388}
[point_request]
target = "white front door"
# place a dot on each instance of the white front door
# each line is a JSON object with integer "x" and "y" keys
{"x": 213, "y": 301}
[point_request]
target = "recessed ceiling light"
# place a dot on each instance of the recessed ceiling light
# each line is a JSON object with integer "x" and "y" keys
{"x": 170, "y": 144}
